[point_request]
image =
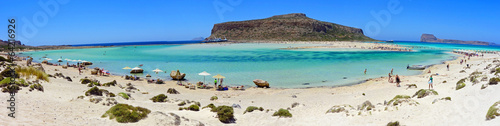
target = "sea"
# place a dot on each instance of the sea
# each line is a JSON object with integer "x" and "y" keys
{"x": 241, "y": 63}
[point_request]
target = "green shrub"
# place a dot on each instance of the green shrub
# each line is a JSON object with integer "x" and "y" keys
{"x": 111, "y": 94}
{"x": 159, "y": 98}
{"x": 93, "y": 91}
{"x": 11, "y": 88}
{"x": 282, "y": 113}
{"x": 38, "y": 87}
{"x": 225, "y": 114}
{"x": 424, "y": 92}
{"x": 182, "y": 103}
{"x": 393, "y": 123}
{"x": 446, "y": 98}
{"x": 461, "y": 80}
{"x": 397, "y": 99}
{"x": 5, "y": 82}
{"x": 214, "y": 98}
{"x": 85, "y": 81}
{"x": 252, "y": 108}
{"x": 211, "y": 106}
{"x": 460, "y": 86}
{"x": 123, "y": 95}
{"x": 8, "y": 73}
{"x": 126, "y": 113}
{"x": 494, "y": 80}
{"x": 493, "y": 111}
{"x": 172, "y": 91}
{"x": 194, "y": 108}
{"x": 5, "y": 59}
{"x": 21, "y": 82}
{"x": 112, "y": 83}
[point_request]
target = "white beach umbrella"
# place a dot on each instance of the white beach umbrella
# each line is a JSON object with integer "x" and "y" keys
{"x": 157, "y": 70}
{"x": 79, "y": 60}
{"x": 204, "y": 73}
{"x": 48, "y": 58}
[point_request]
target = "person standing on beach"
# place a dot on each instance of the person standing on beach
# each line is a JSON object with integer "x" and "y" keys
{"x": 222, "y": 79}
{"x": 430, "y": 82}
{"x": 79, "y": 71}
{"x": 390, "y": 78}
{"x": 215, "y": 82}
{"x": 392, "y": 70}
{"x": 448, "y": 67}
{"x": 398, "y": 81}
{"x": 365, "y": 71}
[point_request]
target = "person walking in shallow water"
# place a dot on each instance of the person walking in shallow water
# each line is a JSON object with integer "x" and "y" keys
{"x": 365, "y": 71}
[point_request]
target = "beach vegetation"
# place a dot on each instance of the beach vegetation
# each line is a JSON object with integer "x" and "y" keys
{"x": 80, "y": 97}
{"x": 126, "y": 113}
{"x": 112, "y": 83}
{"x": 462, "y": 80}
{"x": 412, "y": 85}
{"x": 483, "y": 86}
{"x": 282, "y": 113}
{"x": 21, "y": 82}
{"x": 462, "y": 71}
{"x": 252, "y": 108}
{"x": 225, "y": 114}
{"x": 111, "y": 94}
{"x": 172, "y": 91}
{"x": 444, "y": 81}
{"x": 8, "y": 73}
{"x": 182, "y": 103}
{"x": 367, "y": 105}
{"x": 493, "y": 111}
{"x": 11, "y": 88}
{"x": 194, "y": 108}
{"x": 5, "y": 59}
{"x": 460, "y": 86}
{"x": 197, "y": 103}
{"x": 93, "y": 91}
{"x": 123, "y": 95}
{"x": 494, "y": 80}
{"x": 38, "y": 87}
{"x": 446, "y": 98}
{"x": 393, "y": 123}
{"x": 398, "y": 99}
{"x": 85, "y": 81}
{"x": 497, "y": 70}
{"x": 211, "y": 106}
{"x": 213, "y": 98}
{"x": 424, "y": 92}
{"x": 159, "y": 98}
{"x": 28, "y": 72}
{"x": 338, "y": 108}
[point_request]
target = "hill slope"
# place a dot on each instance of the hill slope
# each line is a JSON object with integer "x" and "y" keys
{"x": 432, "y": 38}
{"x": 291, "y": 27}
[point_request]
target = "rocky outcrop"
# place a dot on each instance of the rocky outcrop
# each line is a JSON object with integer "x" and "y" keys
{"x": 432, "y": 38}
{"x": 176, "y": 75}
{"x": 261, "y": 83}
{"x": 289, "y": 27}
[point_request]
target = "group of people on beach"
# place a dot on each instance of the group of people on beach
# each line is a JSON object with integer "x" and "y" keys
{"x": 397, "y": 79}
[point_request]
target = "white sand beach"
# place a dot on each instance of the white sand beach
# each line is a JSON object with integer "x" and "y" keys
{"x": 59, "y": 103}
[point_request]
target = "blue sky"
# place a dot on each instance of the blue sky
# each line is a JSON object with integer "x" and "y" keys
{"x": 102, "y": 21}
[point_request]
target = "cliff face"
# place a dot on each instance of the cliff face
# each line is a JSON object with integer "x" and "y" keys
{"x": 293, "y": 27}
{"x": 432, "y": 38}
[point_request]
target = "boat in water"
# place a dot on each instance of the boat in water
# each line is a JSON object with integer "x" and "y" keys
{"x": 416, "y": 67}
{"x": 207, "y": 40}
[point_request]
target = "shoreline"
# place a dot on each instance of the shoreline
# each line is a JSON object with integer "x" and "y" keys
{"x": 284, "y": 42}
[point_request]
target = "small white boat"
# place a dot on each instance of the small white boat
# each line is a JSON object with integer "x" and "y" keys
{"x": 415, "y": 67}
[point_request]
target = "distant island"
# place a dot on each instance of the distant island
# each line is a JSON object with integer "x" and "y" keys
{"x": 432, "y": 38}
{"x": 288, "y": 27}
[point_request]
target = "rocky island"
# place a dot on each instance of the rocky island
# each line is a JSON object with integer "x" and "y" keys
{"x": 288, "y": 27}
{"x": 432, "y": 38}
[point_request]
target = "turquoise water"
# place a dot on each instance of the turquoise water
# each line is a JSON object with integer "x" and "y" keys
{"x": 242, "y": 63}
